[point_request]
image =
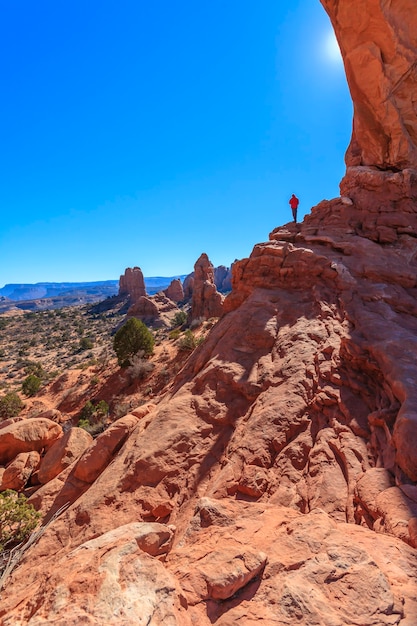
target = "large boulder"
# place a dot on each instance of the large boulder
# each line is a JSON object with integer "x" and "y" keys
{"x": 27, "y": 435}
{"x": 18, "y": 472}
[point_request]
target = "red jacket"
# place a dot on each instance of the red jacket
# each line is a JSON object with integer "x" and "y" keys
{"x": 294, "y": 202}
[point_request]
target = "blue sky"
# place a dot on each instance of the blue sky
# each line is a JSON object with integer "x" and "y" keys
{"x": 145, "y": 133}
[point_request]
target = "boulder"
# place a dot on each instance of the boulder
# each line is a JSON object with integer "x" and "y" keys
{"x": 18, "y": 472}
{"x": 98, "y": 455}
{"x": 37, "y": 433}
{"x": 63, "y": 453}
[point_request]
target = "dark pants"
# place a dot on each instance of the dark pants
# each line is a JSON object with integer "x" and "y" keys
{"x": 294, "y": 213}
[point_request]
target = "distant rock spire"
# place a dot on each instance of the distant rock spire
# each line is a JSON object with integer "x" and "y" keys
{"x": 131, "y": 283}
{"x": 206, "y": 300}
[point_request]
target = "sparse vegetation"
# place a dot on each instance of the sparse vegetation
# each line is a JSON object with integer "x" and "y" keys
{"x": 188, "y": 341}
{"x": 179, "y": 319}
{"x": 18, "y": 519}
{"x": 140, "y": 368}
{"x": 31, "y": 385}
{"x": 10, "y": 405}
{"x": 134, "y": 336}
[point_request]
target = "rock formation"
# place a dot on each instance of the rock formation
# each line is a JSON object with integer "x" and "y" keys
{"x": 132, "y": 284}
{"x": 223, "y": 278}
{"x": 206, "y": 300}
{"x": 157, "y": 310}
{"x": 175, "y": 291}
{"x": 378, "y": 42}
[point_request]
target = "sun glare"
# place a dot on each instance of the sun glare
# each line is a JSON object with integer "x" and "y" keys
{"x": 331, "y": 48}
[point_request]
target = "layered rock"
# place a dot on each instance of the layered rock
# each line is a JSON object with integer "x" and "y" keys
{"x": 378, "y": 42}
{"x": 206, "y": 300}
{"x": 132, "y": 284}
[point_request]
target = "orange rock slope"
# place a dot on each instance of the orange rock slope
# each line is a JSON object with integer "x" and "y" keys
{"x": 276, "y": 480}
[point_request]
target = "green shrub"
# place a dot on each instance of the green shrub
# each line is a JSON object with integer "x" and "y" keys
{"x": 179, "y": 319}
{"x": 17, "y": 518}
{"x": 87, "y": 411}
{"x": 31, "y": 385}
{"x": 130, "y": 339}
{"x": 187, "y": 341}
{"x": 10, "y": 405}
{"x": 86, "y": 343}
{"x": 102, "y": 408}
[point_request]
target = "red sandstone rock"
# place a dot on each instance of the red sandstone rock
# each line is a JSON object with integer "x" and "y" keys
{"x": 157, "y": 310}
{"x": 206, "y": 300}
{"x": 378, "y": 43}
{"x": 19, "y": 471}
{"x": 132, "y": 284}
{"x": 27, "y": 435}
{"x": 63, "y": 453}
{"x": 223, "y": 278}
{"x": 175, "y": 291}
{"x": 188, "y": 286}
{"x": 100, "y": 453}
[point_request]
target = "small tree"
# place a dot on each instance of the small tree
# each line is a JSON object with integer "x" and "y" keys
{"x": 10, "y": 405}
{"x": 17, "y": 518}
{"x": 31, "y": 385}
{"x": 130, "y": 339}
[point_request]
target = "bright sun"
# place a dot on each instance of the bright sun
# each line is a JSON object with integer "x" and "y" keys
{"x": 331, "y": 48}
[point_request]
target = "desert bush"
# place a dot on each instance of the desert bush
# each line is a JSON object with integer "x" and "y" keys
{"x": 87, "y": 411}
{"x": 131, "y": 338}
{"x": 10, "y": 405}
{"x": 139, "y": 367}
{"x": 187, "y": 341}
{"x": 179, "y": 319}
{"x": 17, "y": 518}
{"x": 102, "y": 408}
{"x": 86, "y": 343}
{"x": 36, "y": 368}
{"x": 31, "y": 385}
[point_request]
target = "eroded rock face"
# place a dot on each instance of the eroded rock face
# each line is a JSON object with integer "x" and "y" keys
{"x": 175, "y": 291}
{"x": 132, "y": 283}
{"x": 157, "y": 310}
{"x": 378, "y": 41}
{"x": 206, "y": 300}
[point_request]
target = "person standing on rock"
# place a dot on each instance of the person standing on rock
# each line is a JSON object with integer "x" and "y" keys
{"x": 294, "y": 202}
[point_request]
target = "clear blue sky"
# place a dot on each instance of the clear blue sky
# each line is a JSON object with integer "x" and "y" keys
{"x": 145, "y": 133}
